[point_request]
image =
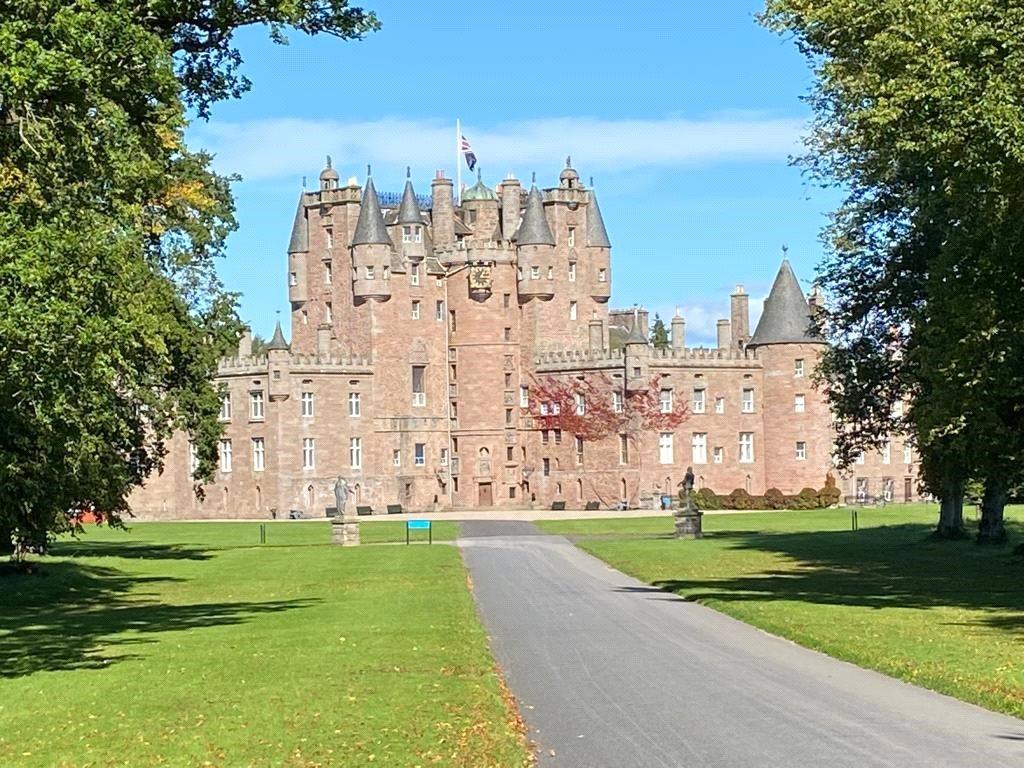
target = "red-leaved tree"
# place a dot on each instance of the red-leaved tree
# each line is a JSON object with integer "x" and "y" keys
{"x": 595, "y": 407}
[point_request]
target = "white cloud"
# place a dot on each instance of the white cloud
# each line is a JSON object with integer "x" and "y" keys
{"x": 278, "y": 148}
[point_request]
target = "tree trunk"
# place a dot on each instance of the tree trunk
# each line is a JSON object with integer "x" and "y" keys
{"x": 991, "y": 529}
{"x": 951, "y": 509}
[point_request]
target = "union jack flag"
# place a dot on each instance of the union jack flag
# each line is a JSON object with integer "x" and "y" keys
{"x": 468, "y": 152}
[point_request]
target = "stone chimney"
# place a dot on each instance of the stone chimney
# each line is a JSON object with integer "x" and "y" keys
{"x": 740, "y": 312}
{"x": 442, "y": 214}
{"x": 245, "y": 343}
{"x": 511, "y": 201}
{"x": 678, "y": 331}
{"x": 596, "y": 335}
{"x": 724, "y": 334}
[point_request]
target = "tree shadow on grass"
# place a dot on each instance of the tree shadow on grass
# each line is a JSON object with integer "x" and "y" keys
{"x": 72, "y": 616}
{"x": 883, "y": 567}
{"x": 136, "y": 551}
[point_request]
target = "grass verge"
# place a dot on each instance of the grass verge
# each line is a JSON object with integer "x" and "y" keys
{"x": 944, "y": 615}
{"x": 189, "y": 644}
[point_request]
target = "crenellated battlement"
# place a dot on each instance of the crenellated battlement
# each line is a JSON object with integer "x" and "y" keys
{"x": 258, "y": 364}
{"x": 561, "y": 356}
{"x": 704, "y": 354}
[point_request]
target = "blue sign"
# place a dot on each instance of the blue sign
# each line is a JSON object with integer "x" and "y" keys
{"x": 418, "y": 525}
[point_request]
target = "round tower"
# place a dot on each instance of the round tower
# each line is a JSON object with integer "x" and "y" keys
{"x": 371, "y": 250}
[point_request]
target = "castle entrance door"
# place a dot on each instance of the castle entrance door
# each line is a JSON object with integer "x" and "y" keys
{"x": 485, "y": 496}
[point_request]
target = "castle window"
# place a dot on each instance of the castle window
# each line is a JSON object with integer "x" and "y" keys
{"x": 369, "y": 273}
{"x": 801, "y": 450}
{"x": 886, "y": 452}
{"x": 579, "y": 449}
{"x": 519, "y": 273}
{"x": 444, "y": 457}
{"x": 698, "y": 400}
{"x": 328, "y": 276}
{"x": 572, "y": 273}
{"x": 386, "y": 273}
{"x": 572, "y": 238}
{"x": 551, "y": 273}
{"x": 511, "y": 491}
{"x": 306, "y": 401}
{"x": 224, "y": 451}
{"x": 355, "y": 405}
{"x": 665, "y": 448}
{"x": 748, "y": 401}
{"x": 718, "y": 455}
{"x": 396, "y": 458}
{"x": 746, "y": 447}
{"x": 908, "y": 454}
{"x": 308, "y": 453}
{"x": 419, "y": 392}
{"x": 414, "y": 274}
{"x": 329, "y": 234}
{"x": 581, "y": 403}
{"x": 665, "y": 401}
{"x": 546, "y": 463}
{"x": 439, "y": 311}
{"x": 623, "y": 449}
{"x": 293, "y": 279}
{"x": 719, "y": 405}
{"x": 407, "y": 234}
{"x": 355, "y": 453}
{"x": 419, "y": 456}
{"x": 617, "y": 406}
{"x": 535, "y": 273}
{"x": 508, "y": 380}
{"x": 524, "y": 397}
{"x": 415, "y": 310}
{"x": 508, "y": 334}
{"x": 545, "y": 436}
{"x": 798, "y": 368}
{"x": 451, "y": 320}
{"x": 506, "y": 299}
{"x": 417, "y": 234}
{"x": 509, "y": 453}
{"x": 558, "y": 437}
{"x": 328, "y": 313}
{"x": 799, "y": 403}
{"x": 508, "y": 416}
{"x": 861, "y": 459}
{"x": 602, "y": 275}
{"x": 572, "y": 310}
{"x": 699, "y": 445}
{"x": 305, "y": 317}
{"x": 256, "y": 404}
{"x": 225, "y": 406}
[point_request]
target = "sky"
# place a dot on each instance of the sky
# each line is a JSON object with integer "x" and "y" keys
{"x": 686, "y": 115}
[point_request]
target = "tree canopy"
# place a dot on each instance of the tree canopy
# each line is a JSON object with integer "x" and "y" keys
{"x": 918, "y": 116}
{"x": 112, "y": 318}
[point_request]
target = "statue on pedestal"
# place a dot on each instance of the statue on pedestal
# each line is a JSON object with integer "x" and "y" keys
{"x": 688, "y": 488}
{"x": 341, "y": 494}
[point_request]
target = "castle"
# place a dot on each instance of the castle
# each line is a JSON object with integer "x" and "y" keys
{"x": 419, "y": 328}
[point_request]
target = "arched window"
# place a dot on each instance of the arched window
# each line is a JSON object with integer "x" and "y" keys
{"x": 259, "y": 499}
{"x": 558, "y": 489}
{"x": 622, "y": 490}
{"x": 579, "y": 490}
{"x": 225, "y": 498}
{"x": 310, "y": 496}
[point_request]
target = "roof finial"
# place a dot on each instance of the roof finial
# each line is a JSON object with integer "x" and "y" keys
{"x": 568, "y": 161}
{"x": 479, "y": 174}
{"x": 408, "y": 172}
{"x": 303, "y": 183}
{"x": 328, "y": 161}
{"x": 369, "y": 171}
{"x": 591, "y": 182}
{"x": 785, "y": 250}
{"x": 533, "y": 178}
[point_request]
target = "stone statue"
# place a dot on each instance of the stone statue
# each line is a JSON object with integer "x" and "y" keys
{"x": 340, "y": 494}
{"x": 688, "y": 482}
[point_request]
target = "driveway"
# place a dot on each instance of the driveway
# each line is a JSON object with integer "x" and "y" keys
{"x": 611, "y": 673}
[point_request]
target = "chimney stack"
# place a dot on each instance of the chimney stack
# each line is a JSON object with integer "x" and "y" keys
{"x": 724, "y": 334}
{"x": 678, "y": 331}
{"x": 740, "y": 312}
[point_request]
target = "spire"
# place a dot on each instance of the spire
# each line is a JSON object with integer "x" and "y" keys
{"x": 786, "y": 317}
{"x": 636, "y": 336}
{"x": 597, "y": 235}
{"x": 277, "y": 340}
{"x": 534, "y": 230}
{"x": 300, "y": 229}
{"x": 370, "y": 226}
{"x": 409, "y": 210}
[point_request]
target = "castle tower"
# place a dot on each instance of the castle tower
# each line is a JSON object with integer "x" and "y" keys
{"x": 480, "y": 210}
{"x": 536, "y": 250}
{"x": 298, "y": 247}
{"x": 371, "y": 250}
{"x": 795, "y": 414}
{"x": 410, "y": 230}
{"x": 599, "y": 273}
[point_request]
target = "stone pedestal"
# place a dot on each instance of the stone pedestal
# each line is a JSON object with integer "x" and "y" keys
{"x": 345, "y": 531}
{"x": 688, "y": 522}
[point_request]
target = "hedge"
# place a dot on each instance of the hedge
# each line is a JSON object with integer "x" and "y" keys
{"x": 773, "y": 498}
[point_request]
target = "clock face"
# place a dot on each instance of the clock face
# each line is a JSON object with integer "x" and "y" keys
{"x": 480, "y": 278}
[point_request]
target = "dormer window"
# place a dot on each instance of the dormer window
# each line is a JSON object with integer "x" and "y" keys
{"x": 412, "y": 233}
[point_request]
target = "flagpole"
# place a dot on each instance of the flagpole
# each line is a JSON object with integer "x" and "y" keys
{"x": 458, "y": 160}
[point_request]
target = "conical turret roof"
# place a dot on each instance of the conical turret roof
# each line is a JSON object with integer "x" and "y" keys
{"x": 786, "y": 318}
{"x": 277, "y": 340}
{"x": 409, "y": 210}
{"x": 300, "y": 229}
{"x": 534, "y": 230}
{"x": 370, "y": 227}
{"x": 597, "y": 235}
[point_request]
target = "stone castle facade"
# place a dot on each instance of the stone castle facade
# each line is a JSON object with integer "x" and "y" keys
{"x": 419, "y": 327}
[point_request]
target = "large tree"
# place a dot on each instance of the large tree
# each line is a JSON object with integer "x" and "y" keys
{"x": 919, "y": 117}
{"x": 111, "y": 315}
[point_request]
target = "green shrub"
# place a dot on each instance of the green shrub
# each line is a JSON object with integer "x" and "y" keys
{"x": 774, "y": 499}
{"x": 705, "y": 498}
{"x": 828, "y": 496}
{"x": 739, "y": 499}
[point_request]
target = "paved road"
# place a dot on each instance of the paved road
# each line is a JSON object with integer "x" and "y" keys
{"x": 613, "y": 674}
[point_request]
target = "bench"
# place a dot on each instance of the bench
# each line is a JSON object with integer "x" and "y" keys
{"x": 331, "y": 511}
{"x": 592, "y": 505}
{"x": 364, "y": 510}
{"x": 558, "y": 506}
{"x": 394, "y": 509}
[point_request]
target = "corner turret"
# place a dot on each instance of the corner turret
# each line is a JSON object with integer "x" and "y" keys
{"x": 637, "y": 355}
{"x": 536, "y": 247}
{"x": 409, "y": 225}
{"x": 371, "y": 250}
{"x": 298, "y": 247}
{"x": 600, "y": 252}
{"x": 786, "y": 318}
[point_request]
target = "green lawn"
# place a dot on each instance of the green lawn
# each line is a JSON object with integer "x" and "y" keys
{"x": 192, "y": 645}
{"x": 945, "y": 615}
